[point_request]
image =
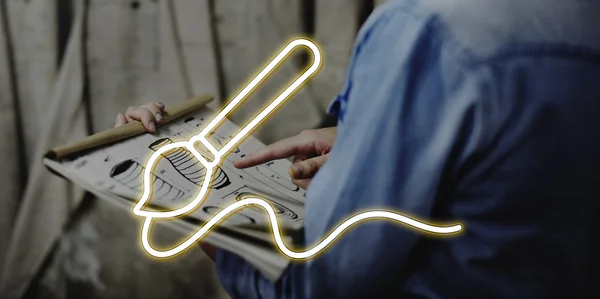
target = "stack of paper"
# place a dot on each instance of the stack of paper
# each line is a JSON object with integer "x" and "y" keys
{"x": 113, "y": 172}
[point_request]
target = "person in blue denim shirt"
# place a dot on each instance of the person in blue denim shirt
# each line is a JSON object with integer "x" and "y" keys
{"x": 485, "y": 112}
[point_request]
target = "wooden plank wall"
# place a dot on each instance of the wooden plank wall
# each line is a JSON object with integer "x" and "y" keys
{"x": 163, "y": 50}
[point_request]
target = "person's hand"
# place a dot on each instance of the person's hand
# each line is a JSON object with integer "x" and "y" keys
{"x": 309, "y": 148}
{"x": 149, "y": 114}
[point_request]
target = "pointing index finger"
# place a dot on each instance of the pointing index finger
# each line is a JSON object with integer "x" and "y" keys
{"x": 279, "y": 150}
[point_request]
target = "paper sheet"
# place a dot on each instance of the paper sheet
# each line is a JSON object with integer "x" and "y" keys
{"x": 269, "y": 262}
{"x": 178, "y": 175}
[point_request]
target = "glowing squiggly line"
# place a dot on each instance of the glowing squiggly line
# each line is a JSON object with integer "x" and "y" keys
{"x": 218, "y": 154}
{"x": 386, "y": 215}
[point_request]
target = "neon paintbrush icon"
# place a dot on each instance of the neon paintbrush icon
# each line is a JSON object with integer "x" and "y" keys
{"x": 252, "y": 201}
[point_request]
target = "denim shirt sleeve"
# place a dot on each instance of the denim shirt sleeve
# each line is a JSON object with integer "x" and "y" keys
{"x": 395, "y": 114}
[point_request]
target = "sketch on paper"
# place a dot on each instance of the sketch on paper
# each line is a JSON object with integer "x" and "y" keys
{"x": 287, "y": 211}
{"x": 194, "y": 121}
{"x": 178, "y": 176}
{"x": 129, "y": 174}
{"x": 279, "y": 208}
{"x": 275, "y": 177}
{"x": 260, "y": 182}
{"x": 221, "y": 140}
{"x": 186, "y": 164}
{"x": 216, "y": 138}
{"x": 237, "y": 217}
{"x": 262, "y": 173}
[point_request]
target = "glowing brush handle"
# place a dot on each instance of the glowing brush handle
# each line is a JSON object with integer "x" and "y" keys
{"x": 240, "y": 97}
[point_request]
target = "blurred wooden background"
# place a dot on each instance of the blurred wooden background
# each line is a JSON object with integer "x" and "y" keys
{"x": 59, "y": 82}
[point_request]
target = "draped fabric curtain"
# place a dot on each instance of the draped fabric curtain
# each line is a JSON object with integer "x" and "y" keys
{"x": 68, "y": 66}
{"x": 46, "y": 201}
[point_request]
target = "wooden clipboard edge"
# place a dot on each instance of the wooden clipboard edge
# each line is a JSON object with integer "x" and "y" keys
{"x": 128, "y": 130}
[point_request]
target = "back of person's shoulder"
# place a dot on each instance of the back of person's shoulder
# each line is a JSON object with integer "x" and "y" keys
{"x": 484, "y": 27}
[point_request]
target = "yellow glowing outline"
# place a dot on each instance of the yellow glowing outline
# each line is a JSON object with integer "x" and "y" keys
{"x": 218, "y": 154}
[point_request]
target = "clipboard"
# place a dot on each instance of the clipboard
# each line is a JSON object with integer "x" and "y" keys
{"x": 258, "y": 250}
